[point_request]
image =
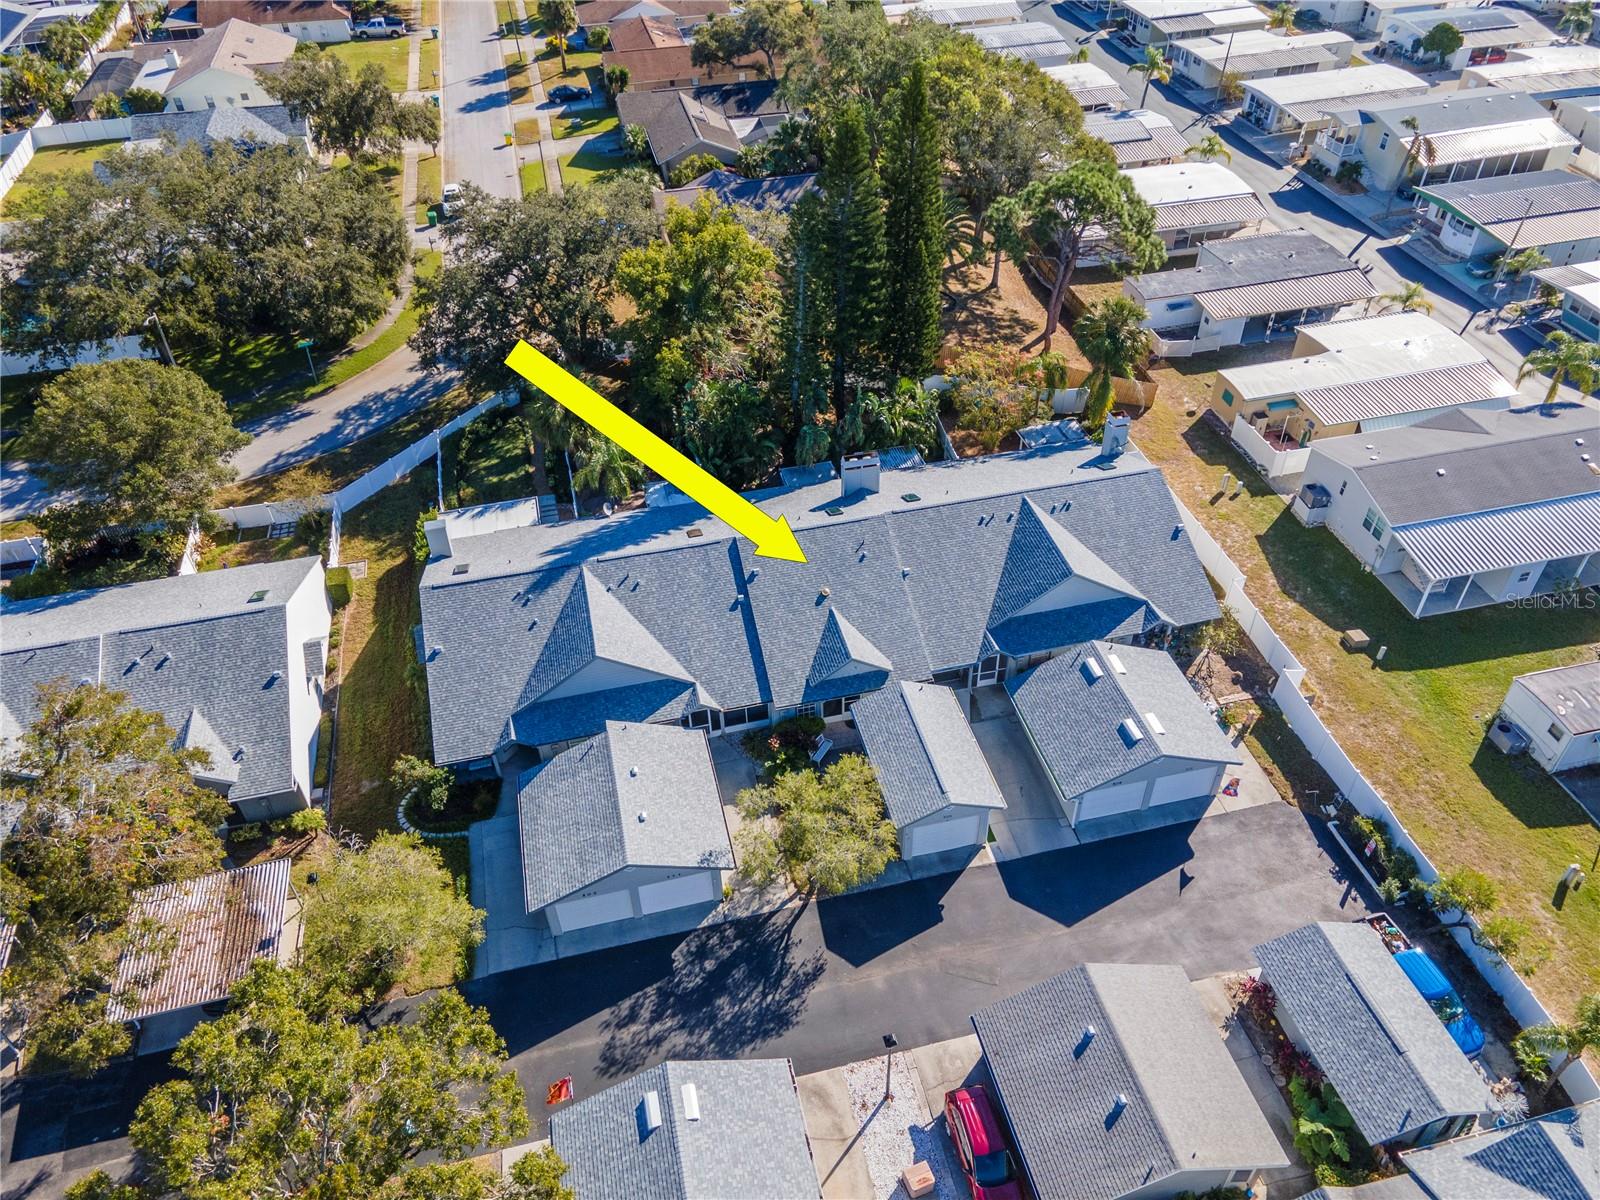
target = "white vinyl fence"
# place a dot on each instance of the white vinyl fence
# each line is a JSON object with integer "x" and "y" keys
{"x": 1264, "y": 454}
{"x": 1320, "y": 742}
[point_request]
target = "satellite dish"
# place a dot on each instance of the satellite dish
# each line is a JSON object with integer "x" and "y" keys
{"x": 608, "y": 508}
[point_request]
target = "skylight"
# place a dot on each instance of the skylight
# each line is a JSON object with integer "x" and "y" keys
{"x": 1130, "y": 731}
{"x": 1155, "y": 724}
{"x": 1092, "y": 669}
{"x": 257, "y": 597}
{"x": 1116, "y": 664}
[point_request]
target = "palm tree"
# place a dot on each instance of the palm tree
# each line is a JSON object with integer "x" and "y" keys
{"x": 1565, "y": 359}
{"x": 1282, "y": 18}
{"x": 1537, "y": 1044}
{"x": 1523, "y": 263}
{"x": 1413, "y": 297}
{"x": 1209, "y": 147}
{"x": 1577, "y": 22}
{"x": 1113, "y": 338}
{"x": 1154, "y": 67}
{"x": 1419, "y": 150}
{"x": 607, "y": 469}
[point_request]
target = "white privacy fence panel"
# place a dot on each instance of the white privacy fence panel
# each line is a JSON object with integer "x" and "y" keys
{"x": 1520, "y": 1000}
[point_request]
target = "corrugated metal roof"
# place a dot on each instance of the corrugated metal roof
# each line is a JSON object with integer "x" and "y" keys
{"x": 1102, "y": 96}
{"x": 1225, "y": 210}
{"x": 1365, "y": 399}
{"x": 1569, "y": 276}
{"x": 1284, "y": 295}
{"x": 1290, "y": 55}
{"x": 212, "y": 929}
{"x": 1508, "y": 537}
{"x": 1467, "y": 145}
{"x": 8, "y": 942}
{"x": 1539, "y": 208}
{"x": 1312, "y": 110}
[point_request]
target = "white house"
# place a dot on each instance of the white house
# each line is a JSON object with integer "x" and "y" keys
{"x": 1559, "y": 710}
{"x": 1468, "y": 508}
{"x": 1032, "y": 41}
{"x": 1156, "y": 22}
{"x": 1197, "y": 202}
{"x": 623, "y": 825}
{"x": 937, "y": 787}
{"x": 233, "y": 660}
{"x": 1487, "y": 34}
{"x": 1547, "y": 73}
{"x": 1554, "y": 212}
{"x": 1247, "y": 289}
{"x": 1258, "y": 54}
{"x": 1579, "y": 286}
{"x": 1306, "y": 102}
{"x": 1460, "y": 135}
{"x": 213, "y": 70}
{"x": 1140, "y": 138}
{"x": 1092, "y": 87}
{"x": 1140, "y": 750}
{"x": 1580, "y": 116}
{"x": 958, "y": 14}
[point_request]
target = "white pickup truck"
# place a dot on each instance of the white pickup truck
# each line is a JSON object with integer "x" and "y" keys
{"x": 389, "y": 27}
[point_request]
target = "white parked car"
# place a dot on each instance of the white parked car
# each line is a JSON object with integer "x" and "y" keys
{"x": 450, "y": 200}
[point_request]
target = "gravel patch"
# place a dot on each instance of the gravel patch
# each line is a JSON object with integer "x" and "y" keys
{"x": 896, "y": 1132}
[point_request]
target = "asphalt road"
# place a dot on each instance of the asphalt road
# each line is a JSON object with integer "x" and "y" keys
{"x": 822, "y": 984}
{"x": 1293, "y": 204}
{"x": 476, "y": 109}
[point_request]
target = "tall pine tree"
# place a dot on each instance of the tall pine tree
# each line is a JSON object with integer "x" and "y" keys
{"x": 914, "y": 233}
{"x": 802, "y": 382}
{"x": 851, "y": 251}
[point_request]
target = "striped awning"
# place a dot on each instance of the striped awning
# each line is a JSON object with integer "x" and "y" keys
{"x": 1197, "y": 214}
{"x": 1324, "y": 106}
{"x": 1286, "y": 295}
{"x": 1442, "y": 387}
{"x": 218, "y": 926}
{"x": 1469, "y": 145}
{"x": 1509, "y": 537}
{"x": 1091, "y": 97}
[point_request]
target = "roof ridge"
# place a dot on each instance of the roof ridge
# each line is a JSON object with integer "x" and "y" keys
{"x": 1127, "y": 1059}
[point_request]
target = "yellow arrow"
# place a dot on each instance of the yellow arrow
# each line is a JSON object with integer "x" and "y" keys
{"x": 772, "y": 536}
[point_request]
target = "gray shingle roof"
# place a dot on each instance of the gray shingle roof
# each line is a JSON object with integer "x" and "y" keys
{"x": 749, "y": 1139}
{"x": 1553, "y": 1157}
{"x": 1187, "y": 1108}
{"x": 637, "y": 795}
{"x": 265, "y": 124}
{"x": 923, "y": 751}
{"x": 778, "y": 193}
{"x": 1091, "y": 748}
{"x": 917, "y": 580}
{"x": 1490, "y": 459}
{"x": 1235, "y": 262}
{"x": 1369, "y": 1029}
{"x": 1571, "y": 693}
{"x": 176, "y": 646}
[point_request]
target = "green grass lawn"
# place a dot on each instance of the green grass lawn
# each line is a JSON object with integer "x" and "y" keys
{"x": 578, "y": 64}
{"x": 519, "y": 83}
{"x": 488, "y": 461}
{"x": 583, "y": 124}
{"x": 589, "y": 164}
{"x": 429, "y": 184}
{"x": 392, "y": 54}
{"x": 527, "y": 131}
{"x": 532, "y": 175}
{"x": 49, "y": 167}
{"x": 428, "y": 63}
{"x": 1413, "y": 724}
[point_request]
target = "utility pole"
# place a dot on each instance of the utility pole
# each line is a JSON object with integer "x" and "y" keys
{"x": 1227, "y": 54}
{"x": 166, "y": 350}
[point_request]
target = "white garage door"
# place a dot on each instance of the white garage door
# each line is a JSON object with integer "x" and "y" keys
{"x": 943, "y": 835}
{"x": 1183, "y": 785}
{"x": 1113, "y": 798}
{"x": 593, "y": 910}
{"x": 674, "y": 893}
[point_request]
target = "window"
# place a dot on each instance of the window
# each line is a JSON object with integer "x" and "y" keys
{"x": 806, "y": 710}
{"x": 1523, "y": 578}
{"x": 1227, "y": 397}
{"x": 1383, "y": 142}
{"x": 177, "y": 104}
{"x": 832, "y": 708}
{"x": 1373, "y": 524}
{"x": 244, "y": 95}
{"x": 211, "y": 101}
{"x": 1555, "y": 731}
{"x": 951, "y": 677}
{"x": 1342, "y": 486}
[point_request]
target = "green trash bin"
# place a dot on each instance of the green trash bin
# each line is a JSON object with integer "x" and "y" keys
{"x": 433, "y": 217}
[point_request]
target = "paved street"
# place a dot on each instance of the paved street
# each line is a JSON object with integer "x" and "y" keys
{"x": 476, "y": 109}
{"x": 822, "y": 984}
{"x": 360, "y": 406}
{"x": 1293, "y": 203}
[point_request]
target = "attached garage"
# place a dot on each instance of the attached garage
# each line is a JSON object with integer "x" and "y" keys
{"x": 624, "y": 825}
{"x": 937, "y": 786}
{"x": 1124, "y": 739}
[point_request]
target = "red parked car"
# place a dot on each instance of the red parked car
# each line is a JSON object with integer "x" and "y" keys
{"x": 986, "y": 1160}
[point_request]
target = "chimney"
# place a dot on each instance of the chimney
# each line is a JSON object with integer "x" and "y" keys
{"x": 171, "y": 59}
{"x": 858, "y": 473}
{"x": 1115, "y": 439}
{"x": 438, "y": 534}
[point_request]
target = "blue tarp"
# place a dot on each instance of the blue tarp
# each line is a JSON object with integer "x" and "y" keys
{"x": 1430, "y": 981}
